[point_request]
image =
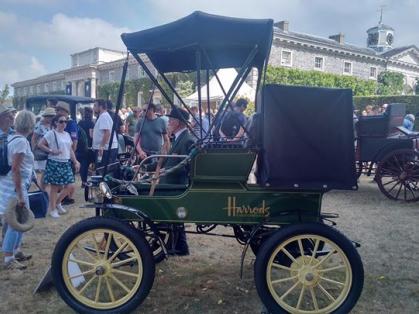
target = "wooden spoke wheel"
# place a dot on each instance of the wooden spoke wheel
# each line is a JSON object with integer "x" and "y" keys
{"x": 93, "y": 277}
{"x": 316, "y": 281}
{"x": 398, "y": 175}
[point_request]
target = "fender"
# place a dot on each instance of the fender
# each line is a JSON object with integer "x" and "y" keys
{"x": 115, "y": 208}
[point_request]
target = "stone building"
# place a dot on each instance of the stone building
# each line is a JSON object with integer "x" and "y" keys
{"x": 99, "y": 66}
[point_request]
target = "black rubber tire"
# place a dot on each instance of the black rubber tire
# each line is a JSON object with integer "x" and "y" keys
{"x": 113, "y": 224}
{"x": 308, "y": 228}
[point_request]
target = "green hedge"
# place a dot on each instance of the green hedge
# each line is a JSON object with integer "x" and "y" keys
{"x": 288, "y": 76}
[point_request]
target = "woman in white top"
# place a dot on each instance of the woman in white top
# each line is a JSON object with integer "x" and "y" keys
{"x": 58, "y": 173}
{"x": 15, "y": 185}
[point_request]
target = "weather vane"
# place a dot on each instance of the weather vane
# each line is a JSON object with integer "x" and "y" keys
{"x": 381, "y": 13}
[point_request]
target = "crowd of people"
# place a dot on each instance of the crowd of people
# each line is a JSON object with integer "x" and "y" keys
{"x": 51, "y": 150}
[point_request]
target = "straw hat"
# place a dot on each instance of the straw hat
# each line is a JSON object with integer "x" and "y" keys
{"x": 49, "y": 112}
{"x": 6, "y": 108}
{"x": 19, "y": 218}
{"x": 63, "y": 105}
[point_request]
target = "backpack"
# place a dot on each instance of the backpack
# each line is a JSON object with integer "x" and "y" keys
{"x": 4, "y": 162}
{"x": 230, "y": 125}
{"x": 82, "y": 142}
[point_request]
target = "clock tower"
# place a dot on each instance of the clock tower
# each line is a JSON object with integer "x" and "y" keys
{"x": 381, "y": 37}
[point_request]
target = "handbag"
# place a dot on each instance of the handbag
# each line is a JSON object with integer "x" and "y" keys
{"x": 38, "y": 153}
{"x": 38, "y": 201}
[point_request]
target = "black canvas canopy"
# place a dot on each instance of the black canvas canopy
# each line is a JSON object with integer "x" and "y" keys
{"x": 308, "y": 138}
{"x": 227, "y": 41}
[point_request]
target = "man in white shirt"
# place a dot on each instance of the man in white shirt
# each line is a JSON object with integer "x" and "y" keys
{"x": 102, "y": 133}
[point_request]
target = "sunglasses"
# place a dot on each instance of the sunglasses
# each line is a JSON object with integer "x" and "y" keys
{"x": 62, "y": 121}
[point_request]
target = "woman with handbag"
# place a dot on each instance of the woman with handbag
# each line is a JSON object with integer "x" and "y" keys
{"x": 41, "y": 128}
{"x": 58, "y": 173}
{"x": 15, "y": 185}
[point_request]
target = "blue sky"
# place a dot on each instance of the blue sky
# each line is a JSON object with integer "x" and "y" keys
{"x": 38, "y": 36}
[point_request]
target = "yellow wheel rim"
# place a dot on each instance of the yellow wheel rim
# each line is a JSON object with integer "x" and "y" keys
{"x": 93, "y": 273}
{"x": 304, "y": 279}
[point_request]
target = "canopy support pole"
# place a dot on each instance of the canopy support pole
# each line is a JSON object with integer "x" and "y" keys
{"x": 198, "y": 80}
{"x": 208, "y": 99}
{"x": 235, "y": 86}
{"x": 163, "y": 92}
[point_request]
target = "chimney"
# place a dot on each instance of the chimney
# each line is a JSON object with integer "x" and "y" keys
{"x": 340, "y": 38}
{"x": 282, "y": 25}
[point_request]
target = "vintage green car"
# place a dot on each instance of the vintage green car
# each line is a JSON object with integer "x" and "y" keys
{"x": 298, "y": 145}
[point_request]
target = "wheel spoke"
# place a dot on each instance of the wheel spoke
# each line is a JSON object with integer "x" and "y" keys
{"x": 126, "y": 273}
{"x": 83, "y": 274}
{"x": 85, "y": 252}
{"x": 108, "y": 243}
{"x": 390, "y": 182}
{"x": 289, "y": 255}
{"x": 119, "y": 283}
{"x": 331, "y": 268}
{"x": 110, "y": 292}
{"x": 300, "y": 245}
{"x": 99, "y": 284}
{"x": 316, "y": 247}
{"x": 289, "y": 290}
{"x": 276, "y": 265}
{"x": 314, "y": 298}
{"x": 300, "y": 298}
{"x": 96, "y": 246}
{"x": 331, "y": 298}
{"x": 77, "y": 261}
{"x": 284, "y": 279}
{"x": 118, "y": 251}
{"x": 398, "y": 192}
{"x": 332, "y": 281}
{"x": 325, "y": 258}
{"x": 87, "y": 285}
{"x": 123, "y": 262}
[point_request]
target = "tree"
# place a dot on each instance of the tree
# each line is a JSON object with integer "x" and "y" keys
{"x": 184, "y": 88}
{"x": 4, "y": 94}
{"x": 390, "y": 83}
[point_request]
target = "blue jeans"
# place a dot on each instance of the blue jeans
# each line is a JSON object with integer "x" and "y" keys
{"x": 12, "y": 239}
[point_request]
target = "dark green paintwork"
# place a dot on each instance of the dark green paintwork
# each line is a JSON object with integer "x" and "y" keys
{"x": 219, "y": 194}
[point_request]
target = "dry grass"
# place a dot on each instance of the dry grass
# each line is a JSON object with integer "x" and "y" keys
{"x": 208, "y": 280}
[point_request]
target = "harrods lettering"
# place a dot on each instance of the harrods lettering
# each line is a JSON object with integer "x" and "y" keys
{"x": 235, "y": 210}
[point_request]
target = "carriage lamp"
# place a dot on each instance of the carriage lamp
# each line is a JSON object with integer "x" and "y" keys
{"x": 105, "y": 190}
{"x": 181, "y": 212}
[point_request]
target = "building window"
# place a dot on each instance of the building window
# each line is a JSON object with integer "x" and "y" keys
{"x": 286, "y": 58}
{"x": 319, "y": 63}
{"x": 373, "y": 72}
{"x": 141, "y": 72}
{"x": 111, "y": 76}
{"x": 46, "y": 88}
{"x": 347, "y": 68}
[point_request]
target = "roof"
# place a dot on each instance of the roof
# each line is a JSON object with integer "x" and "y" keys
{"x": 396, "y": 51}
{"x": 66, "y": 98}
{"x": 226, "y": 77}
{"x": 380, "y": 26}
{"x": 327, "y": 41}
{"x": 228, "y": 41}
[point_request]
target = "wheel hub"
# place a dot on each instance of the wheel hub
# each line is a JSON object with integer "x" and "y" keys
{"x": 101, "y": 270}
{"x": 403, "y": 176}
{"x": 306, "y": 274}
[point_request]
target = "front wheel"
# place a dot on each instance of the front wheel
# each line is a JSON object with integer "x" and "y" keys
{"x": 317, "y": 280}
{"x": 92, "y": 277}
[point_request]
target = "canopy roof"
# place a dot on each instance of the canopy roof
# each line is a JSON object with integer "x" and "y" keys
{"x": 227, "y": 41}
{"x": 226, "y": 77}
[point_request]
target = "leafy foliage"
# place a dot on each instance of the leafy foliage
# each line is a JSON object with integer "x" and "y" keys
{"x": 287, "y": 76}
{"x": 4, "y": 94}
{"x": 390, "y": 83}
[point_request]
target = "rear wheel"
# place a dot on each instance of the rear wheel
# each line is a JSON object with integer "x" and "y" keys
{"x": 398, "y": 175}
{"x": 91, "y": 277}
{"x": 325, "y": 281}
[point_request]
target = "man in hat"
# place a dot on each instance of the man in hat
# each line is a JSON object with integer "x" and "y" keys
{"x": 182, "y": 145}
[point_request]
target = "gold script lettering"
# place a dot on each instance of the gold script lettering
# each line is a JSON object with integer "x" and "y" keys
{"x": 245, "y": 210}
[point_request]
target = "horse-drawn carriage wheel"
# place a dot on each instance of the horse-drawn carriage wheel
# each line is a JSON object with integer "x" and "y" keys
{"x": 313, "y": 283}
{"x": 93, "y": 278}
{"x": 398, "y": 175}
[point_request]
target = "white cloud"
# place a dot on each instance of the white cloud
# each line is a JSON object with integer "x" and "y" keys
{"x": 66, "y": 34}
{"x": 18, "y": 66}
